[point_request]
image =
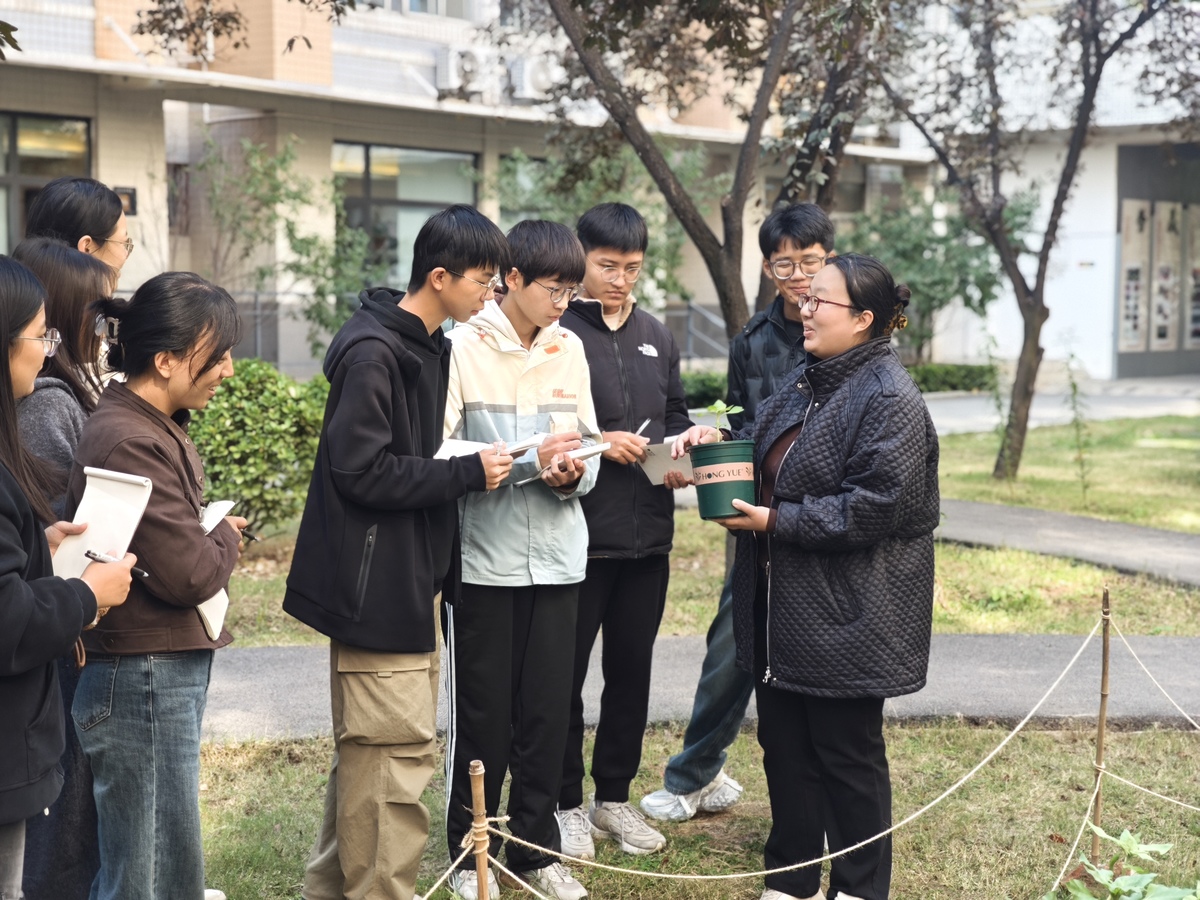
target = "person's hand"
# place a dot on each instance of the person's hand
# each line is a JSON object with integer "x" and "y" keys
{"x": 626, "y": 448}
{"x": 59, "y": 530}
{"x": 563, "y": 471}
{"x": 675, "y": 480}
{"x": 110, "y": 581}
{"x": 496, "y": 466}
{"x": 557, "y": 443}
{"x": 697, "y": 434}
{"x": 238, "y": 524}
{"x": 752, "y": 518}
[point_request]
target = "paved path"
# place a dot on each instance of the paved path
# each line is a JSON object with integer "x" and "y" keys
{"x": 283, "y": 691}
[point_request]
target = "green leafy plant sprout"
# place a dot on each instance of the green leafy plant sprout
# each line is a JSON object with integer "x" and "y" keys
{"x": 720, "y": 410}
{"x": 1120, "y": 876}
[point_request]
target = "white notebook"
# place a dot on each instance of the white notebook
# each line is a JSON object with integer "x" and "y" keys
{"x": 658, "y": 462}
{"x": 212, "y": 611}
{"x": 112, "y": 506}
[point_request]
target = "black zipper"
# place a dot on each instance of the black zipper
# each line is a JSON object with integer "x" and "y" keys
{"x": 637, "y": 538}
{"x": 812, "y": 403}
{"x": 364, "y": 571}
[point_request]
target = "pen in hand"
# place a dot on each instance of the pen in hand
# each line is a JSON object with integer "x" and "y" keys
{"x": 251, "y": 536}
{"x": 105, "y": 558}
{"x": 642, "y": 427}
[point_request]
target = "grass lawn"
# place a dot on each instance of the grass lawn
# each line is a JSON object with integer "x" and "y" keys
{"x": 1001, "y": 836}
{"x": 978, "y": 590}
{"x": 1142, "y": 471}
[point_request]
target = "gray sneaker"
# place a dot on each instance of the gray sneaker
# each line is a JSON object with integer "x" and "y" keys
{"x": 622, "y": 823}
{"x": 555, "y": 881}
{"x": 464, "y": 884}
{"x": 719, "y": 794}
{"x": 576, "y": 831}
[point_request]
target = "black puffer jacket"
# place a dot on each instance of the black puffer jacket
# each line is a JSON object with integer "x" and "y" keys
{"x": 759, "y": 357}
{"x": 851, "y": 574}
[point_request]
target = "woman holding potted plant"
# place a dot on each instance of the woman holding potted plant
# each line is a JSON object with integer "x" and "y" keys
{"x": 833, "y": 583}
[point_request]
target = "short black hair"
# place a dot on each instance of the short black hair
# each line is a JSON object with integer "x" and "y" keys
{"x": 456, "y": 239}
{"x": 613, "y": 225}
{"x": 71, "y": 208}
{"x": 804, "y": 224}
{"x": 542, "y": 249}
{"x": 174, "y": 313}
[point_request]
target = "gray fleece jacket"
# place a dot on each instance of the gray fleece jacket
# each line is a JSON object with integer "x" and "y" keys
{"x": 51, "y": 421}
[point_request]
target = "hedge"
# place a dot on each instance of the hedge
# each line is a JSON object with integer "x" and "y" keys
{"x": 703, "y": 388}
{"x": 931, "y": 377}
{"x": 258, "y": 440}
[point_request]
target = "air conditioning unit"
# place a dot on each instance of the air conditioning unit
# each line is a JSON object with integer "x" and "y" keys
{"x": 533, "y": 79}
{"x": 468, "y": 69}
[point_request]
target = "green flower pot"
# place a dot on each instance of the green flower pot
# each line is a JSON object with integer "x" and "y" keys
{"x": 722, "y": 472}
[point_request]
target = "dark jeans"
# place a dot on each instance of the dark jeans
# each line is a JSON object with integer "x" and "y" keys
{"x": 510, "y": 655}
{"x": 62, "y": 850}
{"x": 625, "y": 597}
{"x": 718, "y": 710}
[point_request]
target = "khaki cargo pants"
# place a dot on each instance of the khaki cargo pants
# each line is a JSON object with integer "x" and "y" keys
{"x": 384, "y": 727}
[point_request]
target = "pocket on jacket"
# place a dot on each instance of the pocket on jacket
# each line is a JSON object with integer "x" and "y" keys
{"x": 386, "y": 697}
{"x": 44, "y": 736}
{"x": 94, "y": 696}
{"x": 847, "y": 607}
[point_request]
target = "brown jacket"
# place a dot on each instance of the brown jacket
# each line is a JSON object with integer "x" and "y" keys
{"x": 185, "y": 565}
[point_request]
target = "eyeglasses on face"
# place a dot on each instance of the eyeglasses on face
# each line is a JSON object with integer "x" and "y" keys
{"x": 492, "y": 284}
{"x": 127, "y": 244}
{"x": 816, "y": 302}
{"x": 557, "y": 294}
{"x": 50, "y": 341}
{"x": 783, "y": 269}
{"x": 610, "y": 274}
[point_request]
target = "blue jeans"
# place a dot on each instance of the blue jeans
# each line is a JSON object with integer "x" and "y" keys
{"x": 718, "y": 709}
{"x": 138, "y": 719}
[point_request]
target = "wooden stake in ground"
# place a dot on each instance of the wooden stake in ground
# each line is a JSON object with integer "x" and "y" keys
{"x": 1101, "y": 723}
{"x": 479, "y": 811}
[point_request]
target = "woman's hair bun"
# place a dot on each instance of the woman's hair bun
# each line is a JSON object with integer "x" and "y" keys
{"x": 903, "y": 295}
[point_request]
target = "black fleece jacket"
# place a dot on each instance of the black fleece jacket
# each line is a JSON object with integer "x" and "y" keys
{"x": 40, "y": 618}
{"x": 379, "y": 534}
{"x": 635, "y": 376}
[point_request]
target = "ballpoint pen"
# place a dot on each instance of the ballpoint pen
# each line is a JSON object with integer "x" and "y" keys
{"x": 642, "y": 428}
{"x": 105, "y": 558}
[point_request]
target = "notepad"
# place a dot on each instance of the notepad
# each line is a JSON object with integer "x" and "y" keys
{"x": 452, "y": 447}
{"x": 212, "y": 611}
{"x": 112, "y": 506}
{"x": 658, "y": 462}
{"x": 579, "y": 453}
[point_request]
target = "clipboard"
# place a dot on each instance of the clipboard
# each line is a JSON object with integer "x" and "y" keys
{"x": 112, "y": 506}
{"x": 658, "y": 462}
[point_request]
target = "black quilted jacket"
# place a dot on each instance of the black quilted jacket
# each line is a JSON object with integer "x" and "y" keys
{"x": 851, "y": 576}
{"x": 759, "y": 359}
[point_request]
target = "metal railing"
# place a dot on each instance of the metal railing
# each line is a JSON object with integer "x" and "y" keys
{"x": 699, "y": 331}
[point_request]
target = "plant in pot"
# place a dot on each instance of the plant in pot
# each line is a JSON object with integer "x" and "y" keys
{"x": 722, "y": 471}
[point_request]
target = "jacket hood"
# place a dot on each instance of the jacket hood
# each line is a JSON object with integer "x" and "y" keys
{"x": 379, "y": 317}
{"x": 495, "y": 327}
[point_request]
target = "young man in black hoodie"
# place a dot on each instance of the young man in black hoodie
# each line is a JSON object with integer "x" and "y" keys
{"x": 378, "y": 544}
{"x": 635, "y": 379}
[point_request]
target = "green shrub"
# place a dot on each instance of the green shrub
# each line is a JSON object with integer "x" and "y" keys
{"x": 258, "y": 440}
{"x": 931, "y": 377}
{"x": 703, "y": 388}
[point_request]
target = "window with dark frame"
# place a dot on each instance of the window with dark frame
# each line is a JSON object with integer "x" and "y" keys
{"x": 34, "y": 150}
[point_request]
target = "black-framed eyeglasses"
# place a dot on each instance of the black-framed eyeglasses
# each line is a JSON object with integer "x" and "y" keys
{"x": 815, "y": 303}
{"x": 493, "y": 282}
{"x": 783, "y": 269}
{"x": 50, "y": 341}
{"x": 610, "y": 274}
{"x": 127, "y": 244}
{"x": 563, "y": 292}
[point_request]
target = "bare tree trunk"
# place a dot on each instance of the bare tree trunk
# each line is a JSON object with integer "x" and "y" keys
{"x": 1008, "y": 460}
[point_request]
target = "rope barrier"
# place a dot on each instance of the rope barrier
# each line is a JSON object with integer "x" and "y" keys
{"x": 1087, "y": 815}
{"x": 1152, "y": 678}
{"x": 523, "y": 885}
{"x": 437, "y": 884}
{"x": 813, "y": 862}
{"x": 1147, "y": 790}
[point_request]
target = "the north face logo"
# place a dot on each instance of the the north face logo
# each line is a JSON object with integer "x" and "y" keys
{"x": 649, "y": 350}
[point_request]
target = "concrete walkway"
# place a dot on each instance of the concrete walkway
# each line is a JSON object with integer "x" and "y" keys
{"x": 280, "y": 692}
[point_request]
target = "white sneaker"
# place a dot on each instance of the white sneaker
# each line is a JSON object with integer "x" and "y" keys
{"x": 464, "y": 884}
{"x": 622, "y": 823}
{"x": 576, "y": 831}
{"x": 213, "y": 894}
{"x": 554, "y": 881}
{"x": 772, "y": 894}
{"x": 719, "y": 794}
